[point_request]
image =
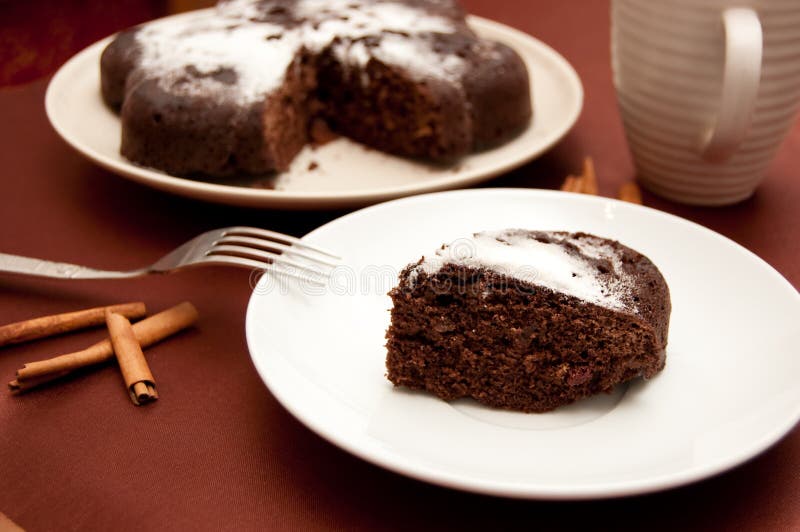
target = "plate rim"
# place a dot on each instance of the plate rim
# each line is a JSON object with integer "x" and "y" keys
{"x": 266, "y": 198}
{"x": 394, "y": 461}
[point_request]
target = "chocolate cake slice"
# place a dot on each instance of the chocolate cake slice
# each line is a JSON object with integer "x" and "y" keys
{"x": 527, "y": 320}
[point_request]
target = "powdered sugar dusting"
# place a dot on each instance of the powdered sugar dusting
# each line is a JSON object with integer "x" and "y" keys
{"x": 516, "y": 254}
{"x": 355, "y": 19}
{"x": 208, "y": 42}
{"x": 235, "y": 37}
{"x": 415, "y": 56}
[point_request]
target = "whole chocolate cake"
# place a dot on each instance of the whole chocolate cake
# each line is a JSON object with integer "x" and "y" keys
{"x": 527, "y": 320}
{"x": 237, "y": 90}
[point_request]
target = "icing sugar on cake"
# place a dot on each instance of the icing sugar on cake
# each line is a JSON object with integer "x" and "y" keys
{"x": 235, "y": 37}
{"x": 566, "y": 263}
{"x": 209, "y": 42}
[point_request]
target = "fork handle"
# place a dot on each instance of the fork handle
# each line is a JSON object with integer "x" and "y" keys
{"x": 57, "y": 270}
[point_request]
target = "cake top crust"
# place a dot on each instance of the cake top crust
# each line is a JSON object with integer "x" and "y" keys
{"x": 593, "y": 269}
{"x": 242, "y": 48}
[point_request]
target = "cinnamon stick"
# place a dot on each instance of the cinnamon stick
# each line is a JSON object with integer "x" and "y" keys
{"x": 630, "y": 192}
{"x": 589, "y": 178}
{"x": 7, "y": 525}
{"x": 148, "y": 332}
{"x": 24, "y": 331}
{"x": 17, "y": 387}
{"x": 135, "y": 372}
{"x": 586, "y": 183}
{"x": 570, "y": 184}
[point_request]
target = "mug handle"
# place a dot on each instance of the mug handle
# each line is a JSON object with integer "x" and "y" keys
{"x": 740, "y": 80}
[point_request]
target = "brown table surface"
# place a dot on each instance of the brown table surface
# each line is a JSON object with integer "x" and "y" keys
{"x": 218, "y": 451}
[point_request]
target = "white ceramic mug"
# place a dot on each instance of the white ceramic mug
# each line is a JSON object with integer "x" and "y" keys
{"x": 707, "y": 89}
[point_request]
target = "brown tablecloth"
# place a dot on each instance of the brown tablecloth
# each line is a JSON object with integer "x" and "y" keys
{"x": 218, "y": 451}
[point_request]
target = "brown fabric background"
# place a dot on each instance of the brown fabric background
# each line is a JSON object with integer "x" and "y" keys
{"x": 217, "y": 451}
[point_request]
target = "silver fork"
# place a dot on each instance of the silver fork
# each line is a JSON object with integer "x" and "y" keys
{"x": 247, "y": 247}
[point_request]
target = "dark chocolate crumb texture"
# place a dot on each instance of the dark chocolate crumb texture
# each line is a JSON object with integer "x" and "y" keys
{"x": 527, "y": 320}
{"x": 236, "y": 90}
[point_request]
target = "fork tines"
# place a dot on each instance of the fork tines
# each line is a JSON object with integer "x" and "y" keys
{"x": 274, "y": 236}
{"x": 281, "y": 254}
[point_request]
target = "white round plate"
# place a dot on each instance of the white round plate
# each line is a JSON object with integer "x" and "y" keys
{"x": 729, "y": 389}
{"x": 347, "y": 173}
